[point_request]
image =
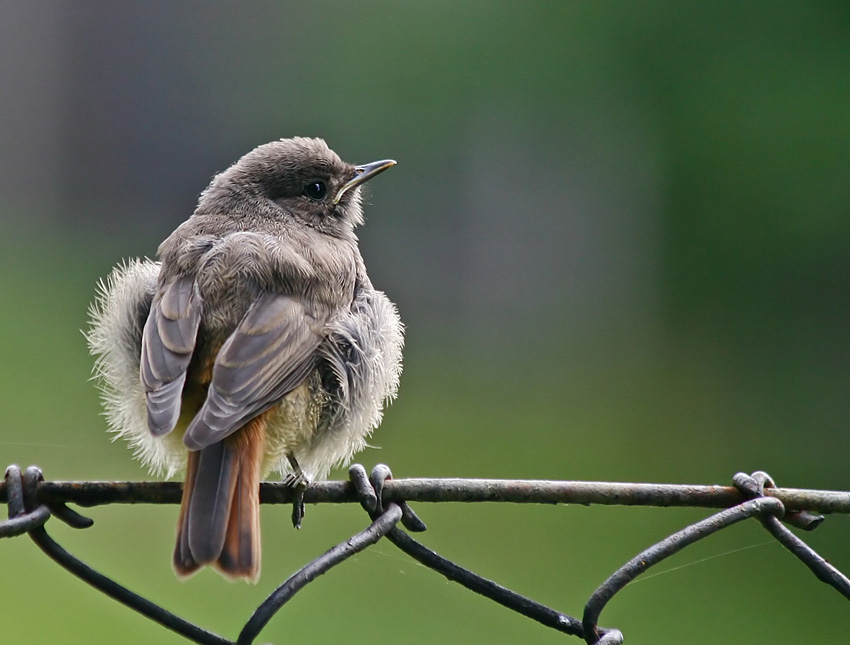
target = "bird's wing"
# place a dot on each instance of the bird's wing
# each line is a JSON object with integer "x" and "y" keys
{"x": 168, "y": 341}
{"x": 269, "y": 354}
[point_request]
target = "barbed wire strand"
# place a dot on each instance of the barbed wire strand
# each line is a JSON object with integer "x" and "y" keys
{"x": 663, "y": 550}
{"x": 29, "y": 483}
{"x": 96, "y": 493}
{"x": 754, "y": 485}
{"x": 338, "y": 554}
{"x": 547, "y": 616}
{"x": 32, "y": 501}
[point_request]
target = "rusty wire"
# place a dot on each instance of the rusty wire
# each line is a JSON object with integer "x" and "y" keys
{"x": 31, "y": 502}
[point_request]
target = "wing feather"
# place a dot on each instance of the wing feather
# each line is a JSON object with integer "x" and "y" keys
{"x": 269, "y": 354}
{"x": 168, "y": 341}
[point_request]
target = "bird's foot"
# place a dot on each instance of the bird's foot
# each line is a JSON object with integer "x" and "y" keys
{"x": 298, "y": 481}
{"x": 298, "y": 505}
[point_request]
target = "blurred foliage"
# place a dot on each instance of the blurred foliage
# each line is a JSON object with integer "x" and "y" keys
{"x": 618, "y": 237}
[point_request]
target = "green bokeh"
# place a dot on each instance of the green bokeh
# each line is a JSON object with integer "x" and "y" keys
{"x": 703, "y": 333}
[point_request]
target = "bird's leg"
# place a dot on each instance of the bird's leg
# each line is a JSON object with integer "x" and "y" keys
{"x": 297, "y": 480}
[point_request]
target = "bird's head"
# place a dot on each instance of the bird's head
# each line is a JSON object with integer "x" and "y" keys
{"x": 298, "y": 177}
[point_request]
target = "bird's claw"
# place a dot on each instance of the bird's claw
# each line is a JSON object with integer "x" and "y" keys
{"x": 298, "y": 481}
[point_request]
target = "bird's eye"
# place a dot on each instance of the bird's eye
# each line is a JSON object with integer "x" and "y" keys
{"x": 316, "y": 190}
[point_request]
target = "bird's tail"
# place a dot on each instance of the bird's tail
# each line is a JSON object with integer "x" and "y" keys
{"x": 219, "y": 521}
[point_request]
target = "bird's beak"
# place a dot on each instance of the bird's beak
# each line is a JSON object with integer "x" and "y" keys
{"x": 363, "y": 173}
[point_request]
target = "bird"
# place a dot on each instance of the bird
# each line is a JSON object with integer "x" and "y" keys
{"x": 255, "y": 342}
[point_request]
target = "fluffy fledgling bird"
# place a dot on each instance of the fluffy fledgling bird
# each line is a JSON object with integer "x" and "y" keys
{"x": 255, "y": 343}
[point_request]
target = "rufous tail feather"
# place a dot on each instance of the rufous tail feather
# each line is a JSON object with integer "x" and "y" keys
{"x": 219, "y": 521}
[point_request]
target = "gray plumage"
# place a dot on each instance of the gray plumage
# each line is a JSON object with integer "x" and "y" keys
{"x": 259, "y": 313}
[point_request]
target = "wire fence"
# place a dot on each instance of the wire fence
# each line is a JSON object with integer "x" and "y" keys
{"x": 31, "y": 502}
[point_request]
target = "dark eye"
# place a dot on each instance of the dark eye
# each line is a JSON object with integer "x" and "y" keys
{"x": 316, "y": 190}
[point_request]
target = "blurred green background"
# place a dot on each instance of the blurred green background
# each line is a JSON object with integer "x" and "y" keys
{"x": 618, "y": 233}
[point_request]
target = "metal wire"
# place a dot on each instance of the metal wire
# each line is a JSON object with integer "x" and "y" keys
{"x": 32, "y": 501}
{"x": 664, "y": 549}
{"x": 754, "y": 486}
{"x": 96, "y": 493}
{"x": 383, "y": 523}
